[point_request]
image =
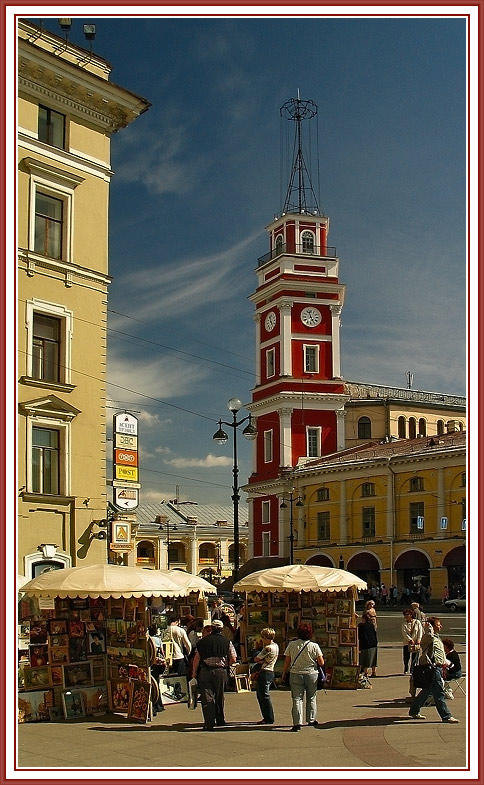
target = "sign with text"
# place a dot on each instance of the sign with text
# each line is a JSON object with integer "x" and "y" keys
{"x": 125, "y": 462}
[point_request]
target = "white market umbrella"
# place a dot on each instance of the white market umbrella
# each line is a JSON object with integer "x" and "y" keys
{"x": 191, "y": 582}
{"x": 111, "y": 580}
{"x": 300, "y": 577}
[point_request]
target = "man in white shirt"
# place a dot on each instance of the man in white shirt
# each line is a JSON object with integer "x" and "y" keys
{"x": 179, "y": 638}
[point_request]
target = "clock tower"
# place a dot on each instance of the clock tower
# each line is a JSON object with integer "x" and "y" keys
{"x": 298, "y": 400}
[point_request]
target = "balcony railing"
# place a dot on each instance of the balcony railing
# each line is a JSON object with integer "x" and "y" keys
{"x": 324, "y": 252}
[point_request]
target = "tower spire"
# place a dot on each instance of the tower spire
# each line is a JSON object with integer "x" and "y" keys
{"x": 300, "y": 196}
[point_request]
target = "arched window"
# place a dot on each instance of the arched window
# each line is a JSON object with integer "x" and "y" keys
{"x": 364, "y": 428}
{"x": 307, "y": 240}
{"x": 402, "y": 428}
{"x": 422, "y": 427}
{"x": 440, "y": 427}
{"x": 412, "y": 428}
{"x": 145, "y": 552}
{"x": 279, "y": 244}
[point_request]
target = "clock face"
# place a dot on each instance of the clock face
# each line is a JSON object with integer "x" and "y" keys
{"x": 270, "y": 321}
{"x": 310, "y": 316}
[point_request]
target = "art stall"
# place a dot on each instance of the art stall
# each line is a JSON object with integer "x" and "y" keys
{"x": 83, "y": 643}
{"x": 284, "y": 597}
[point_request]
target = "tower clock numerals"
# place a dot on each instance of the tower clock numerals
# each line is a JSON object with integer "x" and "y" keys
{"x": 311, "y": 317}
{"x": 270, "y": 321}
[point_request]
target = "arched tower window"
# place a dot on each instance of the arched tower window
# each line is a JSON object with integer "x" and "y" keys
{"x": 402, "y": 428}
{"x": 412, "y": 428}
{"x": 422, "y": 427}
{"x": 279, "y": 244}
{"x": 364, "y": 428}
{"x": 440, "y": 427}
{"x": 307, "y": 240}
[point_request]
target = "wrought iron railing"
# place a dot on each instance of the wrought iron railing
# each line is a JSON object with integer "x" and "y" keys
{"x": 325, "y": 252}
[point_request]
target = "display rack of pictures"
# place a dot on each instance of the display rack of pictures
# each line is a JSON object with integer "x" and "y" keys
{"x": 83, "y": 657}
{"x": 331, "y": 614}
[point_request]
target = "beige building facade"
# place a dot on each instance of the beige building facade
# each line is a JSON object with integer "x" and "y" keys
{"x": 67, "y": 111}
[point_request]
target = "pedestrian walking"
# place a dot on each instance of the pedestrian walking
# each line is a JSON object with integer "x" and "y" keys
{"x": 181, "y": 646}
{"x": 213, "y": 657}
{"x": 302, "y": 657}
{"x": 267, "y": 658}
{"x": 432, "y": 653}
{"x": 412, "y": 632}
{"x": 367, "y": 645}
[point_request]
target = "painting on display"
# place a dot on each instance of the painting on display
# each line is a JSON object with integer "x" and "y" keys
{"x": 174, "y": 689}
{"x": 36, "y": 678}
{"x": 77, "y": 674}
{"x": 344, "y": 677}
{"x": 73, "y": 705}
{"x": 118, "y": 695}
{"x": 347, "y": 637}
{"x": 139, "y": 702}
{"x": 95, "y": 700}
{"x": 34, "y": 706}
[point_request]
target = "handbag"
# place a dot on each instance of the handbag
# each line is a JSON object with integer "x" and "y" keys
{"x": 321, "y": 678}
{"x": 423, "y": 675}
{"x": 414, "y": 648}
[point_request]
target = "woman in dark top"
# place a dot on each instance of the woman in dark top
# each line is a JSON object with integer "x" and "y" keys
{"x": 368, "y": 645}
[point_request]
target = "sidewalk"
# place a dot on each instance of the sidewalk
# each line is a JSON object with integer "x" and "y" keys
{"x": 359, "y": 729}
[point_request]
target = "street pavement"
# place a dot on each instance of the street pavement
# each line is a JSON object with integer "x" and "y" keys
{"x": 358, "y": 730}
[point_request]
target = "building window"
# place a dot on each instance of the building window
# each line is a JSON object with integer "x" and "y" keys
{"x": 267, "y": 446}
{"x": 368, "y": 489}
{"x": 46, "y": 348}
{"x": 313, "y": 439}
{"x": 364, "y": 428}
{"x": 48, "y": 225}
{"x": 463, "y": 479}
{"x": 412, "y": 428}
{"x": 324, "y": 526}
{"x": 416, "y": 484}
{"x": 422, "y": 427}
{"x": 417, "y": 510}
{"x": 402, "y": 428}
{"x": 45, "y": 460}
{"x": 307, "y": 240}
{"x": 279, "y": 244}
{"x": 440, "y": 427}
{"x": 266, "y": 512}
{"x": 322, "y": 495}
{"x": 311, "y": 359}
{"x": 266, "y": 544}
{"x": 270, "y": 363}
{"x": 368, "y": 520}
{"x": 51, "y": 128}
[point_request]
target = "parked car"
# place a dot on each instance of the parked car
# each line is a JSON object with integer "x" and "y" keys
{"x": 456, "y": 604}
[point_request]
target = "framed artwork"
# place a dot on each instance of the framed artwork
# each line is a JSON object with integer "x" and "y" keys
{"x": 306, "y": 599}
{"x": 77, "y": 649}
{"x": 318, "y": 611}
{"x": 36, "y": 678}
{"x": 58, "y": 654}
{"x": 120, "y": 632}
{"x": 119, "y": 671}
{"x": 330, "y": 609}
{"x": 58, "y": 640}
{"x": 331, "y": 624}
{"x": 347, "y": 637}
{"x": 38, "y": 631}
{"x": 342, "y": 607}
{"x": 57, "y": 627}
{"x": 332, "y": 640}
{"x": 344, "y": 655}
{"x": 118, "y": 695}
{"x": 34, "y": 706}
{"x": 139, "y": 701}
{"x": 73, "y": 704}
{"x": 185, "y": 610}
{"x": 174, "y": 689}
{"x": 116, "y": 607}
{"x": 79, "y": 603}
{"x": 344, "y": 677}
{"x": 98, "y": 670}
{"x": 38, "y": 655}
{"x": 294, "y": 599}
{"x": 330, "y": 657}
{"x": 278, "y": 615}
{"x": 96, "y": 642}
{"x": 131, "y": 633}
{"x": 292, "y": 620}
{"x": 141, "y": 630}
{"x": 322, "y": 639}
{"x": 55, "y": 713}
{"x": 319, "y": 624}
{"x": 77, "y": 674}
{"x": 130, "y": 605}
{"x": 76, "y": 629}
{"x": 278, "y": 600}
{"x": 62, "y": 605}
{"x": 98, "y": 614}
{"x": 97, "y": 602}
{"x": 85, "y": 615}
{"x": 344, "y": 622}
{"x": 95, "y": 700}
{"x": 254, "y": 598}
{"x": 56, "y": 675}
{"x": 258, "y": 617}
{"x": 319, "y": 597}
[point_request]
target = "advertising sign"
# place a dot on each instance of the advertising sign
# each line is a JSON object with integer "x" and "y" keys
{"x": 125, "y": 462}
{"x": 126, "y": 441}
{"x": 126, "y": 457}
{"x": 126, "y": 498}
{"x": 126, "y": 473}
{"x": 126, "y": 423}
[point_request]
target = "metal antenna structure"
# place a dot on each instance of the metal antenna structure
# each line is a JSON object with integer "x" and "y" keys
{"x": 300, "y": 196}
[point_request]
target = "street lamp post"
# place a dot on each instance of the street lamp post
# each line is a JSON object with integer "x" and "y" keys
{"x": 250, "y": 433}
{"x": 283, "y": 506}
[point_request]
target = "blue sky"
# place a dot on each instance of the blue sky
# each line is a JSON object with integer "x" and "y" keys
{"x": 198, "y": 179}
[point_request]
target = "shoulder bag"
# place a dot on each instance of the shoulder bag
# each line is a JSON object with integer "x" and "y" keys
{"x": 285, "y": 680}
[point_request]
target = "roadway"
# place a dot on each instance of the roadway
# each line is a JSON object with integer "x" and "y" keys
{"x": 390, "y": 625}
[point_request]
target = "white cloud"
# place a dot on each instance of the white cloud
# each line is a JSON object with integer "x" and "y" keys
{"x": 210, "y": 461}
{"x": 159, "y": 378}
